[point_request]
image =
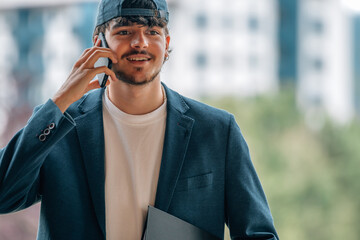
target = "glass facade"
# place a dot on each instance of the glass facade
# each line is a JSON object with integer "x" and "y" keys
{"x": 287, "y": 33}
{"x": 356, "y": 45}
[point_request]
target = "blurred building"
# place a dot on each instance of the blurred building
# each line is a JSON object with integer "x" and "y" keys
{"x": 242, "y": 48}
{"x": 288, "y": 41}
{"x": 325, "y": 83}
{"x": 40, "y": 41}
{"x": 223, "y": 47}
{"x": 43, "y": 39}
{"x": 356, "y": 46}
{"x": 229, "y": 47}
{"x": 20, "y": 64}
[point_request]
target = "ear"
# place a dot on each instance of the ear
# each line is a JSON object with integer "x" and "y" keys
{"x": 167, "y": 39}
{"x": 95, "y": 38}
{"x": 167, "y": 44}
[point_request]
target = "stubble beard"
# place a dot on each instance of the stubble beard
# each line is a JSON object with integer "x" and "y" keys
{"x": 130, "y": 79}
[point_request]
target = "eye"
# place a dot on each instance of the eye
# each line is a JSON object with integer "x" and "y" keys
{"x": 123, "y": 32}
{"x": 153, "y": 32}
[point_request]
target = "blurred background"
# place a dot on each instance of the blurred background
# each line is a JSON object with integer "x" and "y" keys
{"x": 289, "y": 70}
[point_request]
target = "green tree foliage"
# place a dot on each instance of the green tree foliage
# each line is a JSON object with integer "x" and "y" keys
{"x": 311, "y": 178}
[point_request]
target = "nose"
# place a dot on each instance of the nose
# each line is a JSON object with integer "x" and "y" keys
{"x": 139, "y": 41}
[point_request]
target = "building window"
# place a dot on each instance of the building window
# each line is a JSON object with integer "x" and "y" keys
{"x": 318, "y": 64}
{"x": 253, "y": 23}
{"x": 201, "y": 21}
{"x": 315, "y": 99}
{"x": 201, "y": 60}
{"x": 317, "y": 26}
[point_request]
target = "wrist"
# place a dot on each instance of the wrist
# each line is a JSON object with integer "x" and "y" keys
{"x": 62, "y": 104}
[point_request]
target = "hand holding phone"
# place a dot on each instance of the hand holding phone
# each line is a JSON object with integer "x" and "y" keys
{"x": 83, "y": 72}
{"x": 103, "y": 61}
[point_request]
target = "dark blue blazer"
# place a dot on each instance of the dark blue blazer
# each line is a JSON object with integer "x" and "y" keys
{"x": 206, "y": 175}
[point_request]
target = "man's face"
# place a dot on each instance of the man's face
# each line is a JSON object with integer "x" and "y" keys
{"x": 140, "y": 49}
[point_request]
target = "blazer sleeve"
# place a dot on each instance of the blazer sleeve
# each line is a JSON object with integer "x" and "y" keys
{"x": 22, "y": 158}
{"x": 247, "y": 212}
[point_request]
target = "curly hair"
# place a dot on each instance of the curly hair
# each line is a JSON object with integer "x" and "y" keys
{"x": 128, "y": 21}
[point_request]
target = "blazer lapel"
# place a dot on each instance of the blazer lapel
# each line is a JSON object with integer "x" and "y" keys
{"x": 177, "y": 137}
{"x": 90, "y": 131}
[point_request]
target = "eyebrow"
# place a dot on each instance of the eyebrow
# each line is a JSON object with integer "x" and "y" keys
{"x": 118, "y": 24}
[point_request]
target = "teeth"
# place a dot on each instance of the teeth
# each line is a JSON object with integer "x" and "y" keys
{"x": 138, "y": 59}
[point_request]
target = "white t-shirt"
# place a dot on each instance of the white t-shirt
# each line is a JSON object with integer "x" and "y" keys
{"x": 133, "y": 151}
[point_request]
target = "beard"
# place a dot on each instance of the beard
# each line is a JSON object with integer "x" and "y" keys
{"x": 130, "y": 79}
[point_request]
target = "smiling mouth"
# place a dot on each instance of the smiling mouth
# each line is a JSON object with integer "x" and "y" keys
{"x": 138, "y": 59}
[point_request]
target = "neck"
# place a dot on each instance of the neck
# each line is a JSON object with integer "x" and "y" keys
{"x": 136, "y": 100}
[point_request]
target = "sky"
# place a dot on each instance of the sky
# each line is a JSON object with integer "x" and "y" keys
{"x": 353, "y": 5}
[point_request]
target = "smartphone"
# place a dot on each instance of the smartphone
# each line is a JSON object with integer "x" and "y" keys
{"x": 103, "y": 61}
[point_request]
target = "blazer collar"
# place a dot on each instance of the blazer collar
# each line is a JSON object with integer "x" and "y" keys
{"x": 94, "y": 99}
{"x": 91, "y": 101}
{"x": 175, "y": 100}
{"x": 177, "y": 137}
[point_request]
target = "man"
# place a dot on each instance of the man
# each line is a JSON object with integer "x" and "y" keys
{"x": 97, "y": 160}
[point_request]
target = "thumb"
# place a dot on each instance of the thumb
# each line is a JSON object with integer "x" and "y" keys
{"x": 94, "y": 84}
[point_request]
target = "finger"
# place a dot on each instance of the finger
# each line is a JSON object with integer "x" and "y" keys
{"x": 98, "y": 42}
{"x": 108, "y": 53}
{"x": 96, "y": 37}
{"x": 113, "y": 76}
{"x": 88, "y": 52}
{"x": 85, "y": 52}
{"x": 94, "y": 84}
{"x": 100, "y": 52}
{"x": 102, "y": 69}
{"x": 84, "y": 56}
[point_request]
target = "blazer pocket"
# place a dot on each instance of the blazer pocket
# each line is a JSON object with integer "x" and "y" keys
{"x": 195, "y": 182}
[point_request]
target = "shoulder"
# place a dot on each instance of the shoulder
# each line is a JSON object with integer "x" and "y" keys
{"x": 202, "y": 113}
{"x": 200, "y": 109}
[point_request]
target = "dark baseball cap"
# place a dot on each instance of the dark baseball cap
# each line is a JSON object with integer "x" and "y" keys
{"x": 109, "y": 9}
